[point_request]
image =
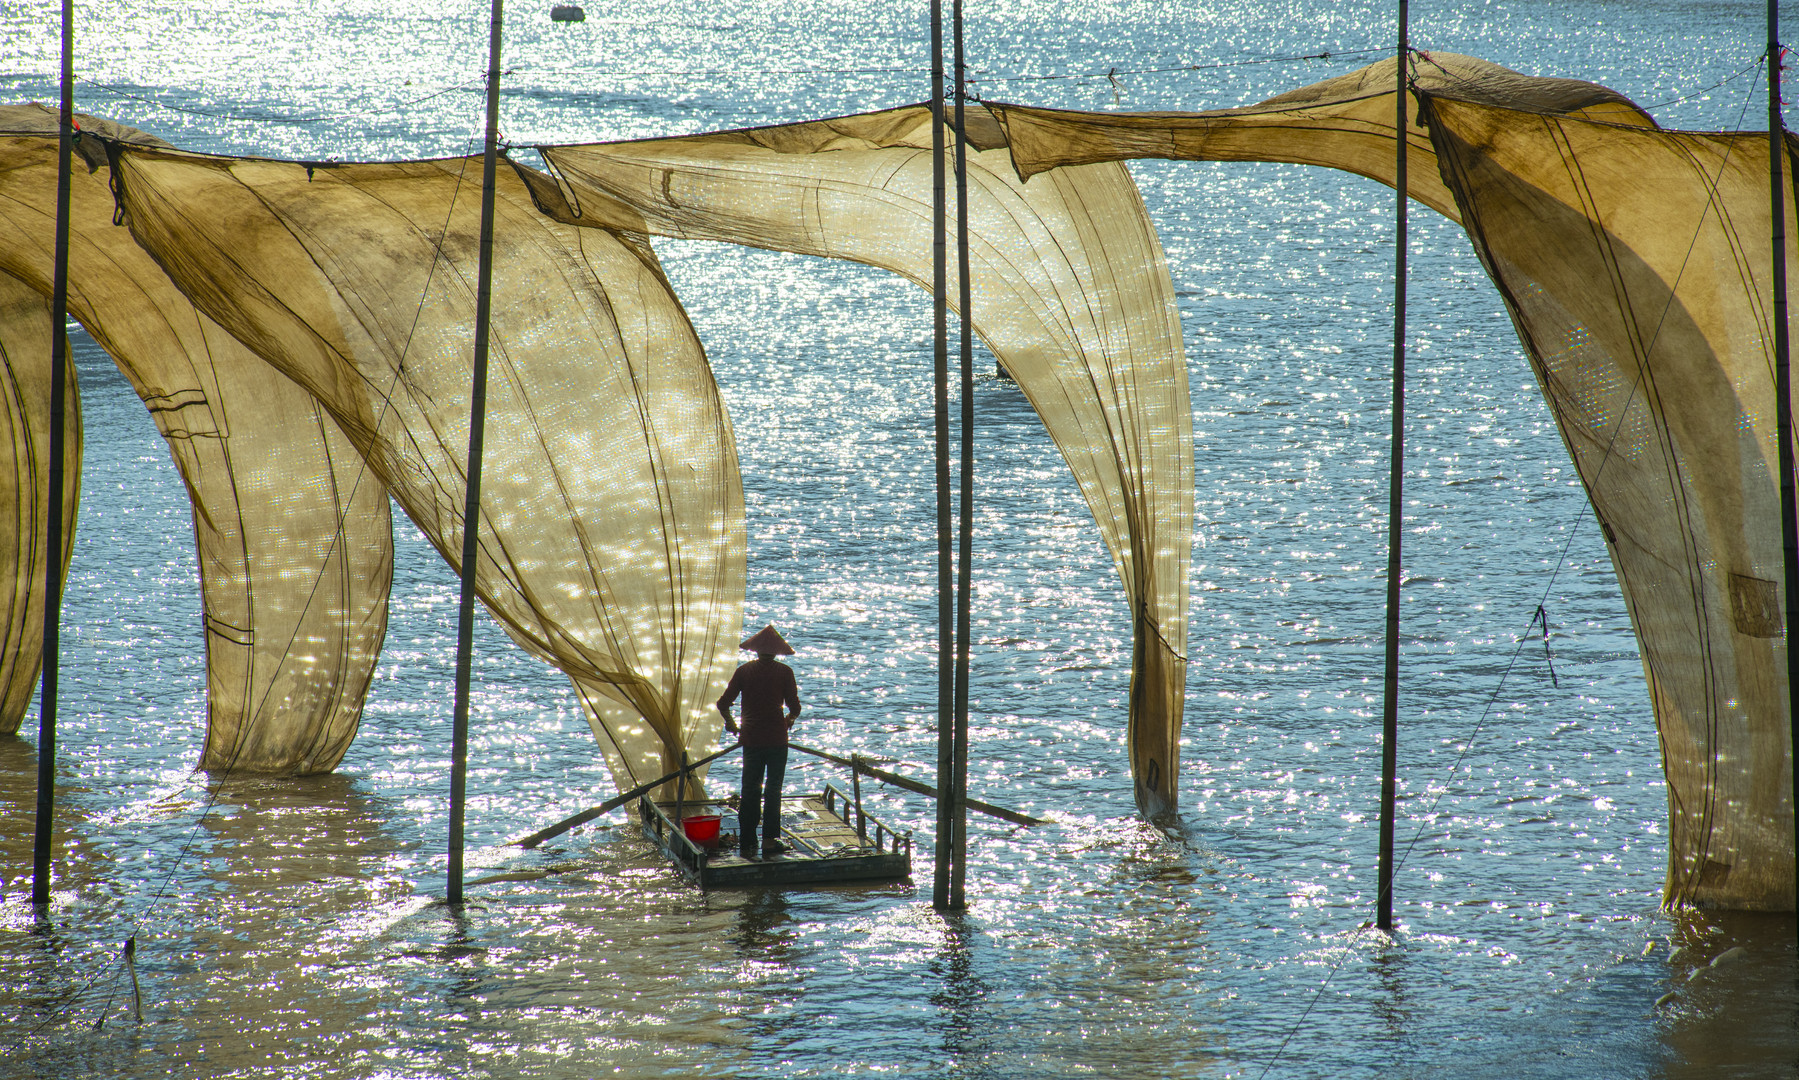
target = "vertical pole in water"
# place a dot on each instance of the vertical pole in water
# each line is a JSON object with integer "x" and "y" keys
{"x": 1783, "y": 395}
{"x": 1389, "y": 751}
{"x": 53, "y": 539}
{"x": 471, "y": 507}
{"x": 958, "y": 795}
{"x": 946, "y": 644}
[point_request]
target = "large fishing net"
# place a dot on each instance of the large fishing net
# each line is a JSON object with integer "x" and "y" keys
{"x": 611, "y": 533}
{"x": 1632, "y": 259}
{"x": 1070, "y": 290}
{"x": 293, "y": 537}
{"x": 1635, "y": 263}
{"x": 25, "y": 339}
{"x": 1636, "y": 266}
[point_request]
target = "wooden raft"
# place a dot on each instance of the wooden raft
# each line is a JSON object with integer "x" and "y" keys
{"x": 828, "y": 836}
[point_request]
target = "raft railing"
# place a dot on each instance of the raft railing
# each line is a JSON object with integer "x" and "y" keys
{"x": 895, "y": 840}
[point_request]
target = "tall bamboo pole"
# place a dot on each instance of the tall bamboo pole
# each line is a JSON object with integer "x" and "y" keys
{"x": 965, "y": 511}
{"x": 471, "y": 507}
{"x": 946, "y": 683}
{"x": 1389, "y": 753}
{"x": 1783, "y": 395}
{"x": 53, "y": 538}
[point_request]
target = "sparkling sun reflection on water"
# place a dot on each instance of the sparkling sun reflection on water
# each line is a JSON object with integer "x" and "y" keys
{"x": 288, "y": 926}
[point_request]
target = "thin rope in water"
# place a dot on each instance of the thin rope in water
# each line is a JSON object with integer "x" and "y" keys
{"x": 1113, "y": 73}
{"x": 1753, "y": 65}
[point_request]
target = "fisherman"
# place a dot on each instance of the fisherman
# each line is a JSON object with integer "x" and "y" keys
{"x": 771, "y": 703}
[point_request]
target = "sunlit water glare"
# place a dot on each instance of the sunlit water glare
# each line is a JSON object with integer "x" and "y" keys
{"x": 287, "y": 927}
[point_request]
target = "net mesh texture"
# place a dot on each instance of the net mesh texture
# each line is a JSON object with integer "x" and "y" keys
{"x": 1632, "y": 260}
{"x": 611, "y": 531}
{"x": 1070, "y": 290}
{"x": 294, "y": 541}
{"x": 1635, "y": 263}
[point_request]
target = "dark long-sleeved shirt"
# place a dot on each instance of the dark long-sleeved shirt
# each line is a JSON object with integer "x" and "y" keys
{"x": 766, "y": 686}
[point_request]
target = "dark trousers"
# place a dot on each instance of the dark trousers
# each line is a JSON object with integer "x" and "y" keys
{"x": 759, "y": 800}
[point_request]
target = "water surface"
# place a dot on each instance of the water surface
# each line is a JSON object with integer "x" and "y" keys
{"x": 288, "y": 927}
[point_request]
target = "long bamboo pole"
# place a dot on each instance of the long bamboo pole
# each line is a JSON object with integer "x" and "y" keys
{"x": 906, "y": 784}
{"x": 53, "y": 538}
{"x": 1783, "y": 396}
{"x": 965, "y": 510}
{"x": 1389, "y": 753}
{"x": 619, "y": 800}
{"x": 471, "y": 507}
{"x": 946, "y": 643}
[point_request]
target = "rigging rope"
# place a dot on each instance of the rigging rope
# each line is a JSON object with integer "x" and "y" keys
{"x": 1111, "y": 74}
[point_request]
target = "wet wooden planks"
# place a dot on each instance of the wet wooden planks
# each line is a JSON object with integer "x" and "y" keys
{"x": 828, "y": 838}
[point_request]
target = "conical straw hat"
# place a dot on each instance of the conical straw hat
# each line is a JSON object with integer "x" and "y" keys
{"x": 768, "y": 640}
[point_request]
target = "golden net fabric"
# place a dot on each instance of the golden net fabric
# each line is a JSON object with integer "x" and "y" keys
{"x": 1344, "y": 123}
{"x": 25, "y": 339}
{"x": 1070, "y": 290}
{"x": 294, "y": 540}
{"x": 611, "y": 531}
{"x": 1635, "y": 264}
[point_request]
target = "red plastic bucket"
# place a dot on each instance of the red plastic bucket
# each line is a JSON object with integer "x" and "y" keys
{"x": 701, "y": 828}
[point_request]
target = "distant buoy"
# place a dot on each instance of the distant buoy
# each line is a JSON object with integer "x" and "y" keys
{"x": 567, "y": 13}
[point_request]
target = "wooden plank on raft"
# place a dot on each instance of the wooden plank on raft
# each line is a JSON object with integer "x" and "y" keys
{"x": 824, "y": 846}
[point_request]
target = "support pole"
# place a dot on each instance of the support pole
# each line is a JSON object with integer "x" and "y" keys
{"x": 471, "y": 507}
{"x": 856, "y": 787}
{"x": 53, "y": 538}
{"x": 1389, "y": 751}
{"x": 958, "y": 800}
{"x": 946, "y": 641}
{"x": 1778, "y": 194}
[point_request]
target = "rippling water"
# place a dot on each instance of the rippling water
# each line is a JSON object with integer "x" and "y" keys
{"x": 287, "y": 927}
